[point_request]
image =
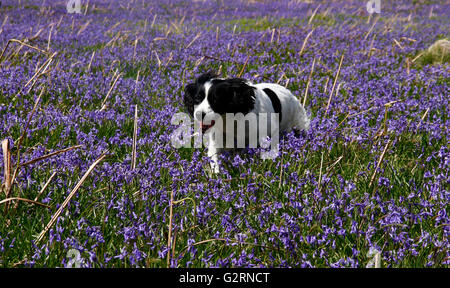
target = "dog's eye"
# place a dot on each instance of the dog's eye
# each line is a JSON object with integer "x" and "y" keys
{"x": 200, "y": 96}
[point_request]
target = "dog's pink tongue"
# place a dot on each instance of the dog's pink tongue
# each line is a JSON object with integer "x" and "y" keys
{"x": 206, "y": 126}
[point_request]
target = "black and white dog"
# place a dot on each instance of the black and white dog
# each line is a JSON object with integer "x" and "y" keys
{"x": 211, "y": 99}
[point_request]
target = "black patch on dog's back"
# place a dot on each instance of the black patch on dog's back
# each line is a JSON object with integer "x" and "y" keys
{"x": 231, "y": 96}
{"x": 275, "y": 101}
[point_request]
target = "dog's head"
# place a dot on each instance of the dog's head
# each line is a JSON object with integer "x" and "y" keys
{"x": 210, "y": 95}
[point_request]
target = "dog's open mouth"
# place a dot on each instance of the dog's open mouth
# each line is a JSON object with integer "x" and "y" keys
{"x": 205, "y": 127}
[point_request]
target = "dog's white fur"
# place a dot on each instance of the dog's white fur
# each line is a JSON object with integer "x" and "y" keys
{"x": 293, "y": 114}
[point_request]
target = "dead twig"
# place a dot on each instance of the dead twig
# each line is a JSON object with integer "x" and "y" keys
{"x": 45, "y": 186}
{"x": 71, "y": 194}
{"x": 50, "y": 155}
{"x": 309, "y": 81}
{"x": 24, "y": 200}
{"x": 109, "y": 92}
{"x": 379, "y": 162}
{"x": 24, "y": 44}
{"x": 133, "y": 156}
{"x": 169, "y": 238}
{"x": 334, "y": 84}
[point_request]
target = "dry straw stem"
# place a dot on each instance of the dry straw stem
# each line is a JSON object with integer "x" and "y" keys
{"x": 217, "y": 33}
{"x": 45, "y": 186}
{"x": 398, "y": 44}
{"x": 281, "y": 174}
{"x": 24, "y": 200}
{"x": 24, "y": 44}
{"x": 112, "y": 27}
{"x": 320, "y": 172}
{"x": 84, "y": 27}
{"x": 169, "y": 238}
{"x": 243, "y": 67}
{"x": 169, "y": 241}
{"x": 379, "y": 162}
{"x": 133, "y": 156}
{"x": 273, "y": 34}
{"x": 153, "y": 22}
{"x": 326, "y": 85}
{"x": 193, "y": 40}
{"x": 309, "y": 81}
{"x": 7, "y": 165}
{"x": 87, "y": 7}
{"x": 313, "y": 14}
{"x": 168, "y": 60}
{"x": 137, "y": 81}
{"x": 3, "y": 24}
{"x": 371, "y": 28}
{"x": 71, "y": 194}
{"x": 421, "y": 119}
{"x": 418, "y": 56}
{"x": 21, "y": 139}
{"x": 159, "y": 61}
{"x": 304, "y": 42}
{"x": 41, "y": 71}
{"x": 50, "y": 155}
{"x": 110, "y": 90}
{"x": 135, "y": 46}
{"x": 334, "y": 84}
{"x": 335, "y": 163}
{"x": 50, "y": 36}
{"x": 408, "y": 65}
{"x": 368, "y": 18}
{"x": 90, "y": 62}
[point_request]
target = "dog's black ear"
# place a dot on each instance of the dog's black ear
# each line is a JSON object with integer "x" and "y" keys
{"x": 231, "y": 96}
{"x": 190, "y": 92}
{"x": 206, "y": 77}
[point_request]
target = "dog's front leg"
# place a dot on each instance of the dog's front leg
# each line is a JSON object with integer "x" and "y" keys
{"x": 213, "y": 153}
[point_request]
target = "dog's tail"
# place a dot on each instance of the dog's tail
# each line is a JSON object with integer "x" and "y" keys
{"x": 302, "y": 121}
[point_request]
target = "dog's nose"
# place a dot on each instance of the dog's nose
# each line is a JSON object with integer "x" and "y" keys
{"x": 200, "y": 115}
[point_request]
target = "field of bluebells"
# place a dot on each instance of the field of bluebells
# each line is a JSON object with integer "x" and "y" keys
{"x": 371, "y": 174}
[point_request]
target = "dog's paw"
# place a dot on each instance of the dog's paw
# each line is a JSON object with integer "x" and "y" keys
{"x": 215, "y": 168}
{"x": 211, "y": 170}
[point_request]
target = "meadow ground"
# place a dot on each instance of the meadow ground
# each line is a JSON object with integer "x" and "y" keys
{"x": 372, "y": 173}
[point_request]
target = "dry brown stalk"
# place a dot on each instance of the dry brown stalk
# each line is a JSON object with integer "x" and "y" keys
{"x": 49, "y": 155}
{"x": 21, "y": 139}
{"x": 133, "y": 156}
{"x": 169, "y": 238}
{"x": 109, "y": 92}
{"x": 90, "y": 62}
{"x": 137, "y": 81}
{"x": 193, "y": 40}
{"x": 71, "y": 194}
{"x": 304, "y": 42}
{"x": 7, "y": 200}
{"x": 334, "y": 83}
{"x": 243, "y": 67}
{"x": 42, "y": 69}
{"x": 320, "y": 172}
{"x": 313, "y": 14}
{"x": 379, "y": 162}
{"x": 7, "y": 165}
{"x": 84, "y": 27}
{"x": 22, "y": 43}
{"x": 309, "y": 80}
{"x": 371, "y": 28}
{"x": 45, "y": 186}
{"x": 421, "y": 119}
